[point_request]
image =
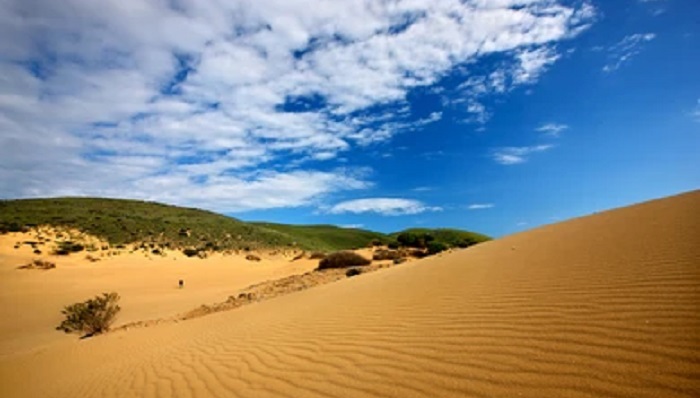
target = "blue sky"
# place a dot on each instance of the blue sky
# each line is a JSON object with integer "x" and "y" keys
{"x": 494, "y": 116}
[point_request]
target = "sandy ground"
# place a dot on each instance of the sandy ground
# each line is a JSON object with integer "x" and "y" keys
{"x": 601, "y": 306}
{"x": 31, "y": 300}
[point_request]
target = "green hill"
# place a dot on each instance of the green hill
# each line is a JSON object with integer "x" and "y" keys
{"x": 122, "y": 222}
{"x": 327, "y": 237}
{"x": 129, "y": 221}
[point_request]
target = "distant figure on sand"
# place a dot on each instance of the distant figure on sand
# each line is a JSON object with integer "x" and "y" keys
{"x": 182, "y": 283}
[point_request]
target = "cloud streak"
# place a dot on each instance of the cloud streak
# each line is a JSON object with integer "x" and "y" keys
{"x": 623, "y": 51}
{"x": 383, "y": 206}
{"x": 517, "y": 155}
{"x": 552, "y": 129}
{"x": 480, "y": 206}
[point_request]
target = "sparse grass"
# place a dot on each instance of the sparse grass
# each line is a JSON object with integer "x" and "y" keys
{"x": 343, "y": 259}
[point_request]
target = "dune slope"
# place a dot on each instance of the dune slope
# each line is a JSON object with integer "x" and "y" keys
{"x": 602, "y": 306}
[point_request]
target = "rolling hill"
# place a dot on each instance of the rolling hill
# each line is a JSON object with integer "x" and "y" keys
{"x": 121, "y": 221}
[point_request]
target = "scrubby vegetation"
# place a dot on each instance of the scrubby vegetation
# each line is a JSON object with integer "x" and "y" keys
{"x": 343, "y": 259}
{"x": 91, "y": 317}
{"x": 317, "y": 256}
{"x": 67, "y": 247}
{"x": 353, "y": 272}
{"x": 328, "y": 237}
{"x": 419, "y": 237}
{"x": 380, "y": 255}
{"x": 39, "y": 264}
{"x": 154, "y": 227}
{"x": 436, "y": 247}
{"x": 432, "y": 241}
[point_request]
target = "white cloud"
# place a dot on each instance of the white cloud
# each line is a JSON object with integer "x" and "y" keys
{"x": 517, "y": 155}
{"x": 118, "y": 96}
{"x": 626, "y": 49}
{"x": 696, "y": 112}
{"x": 480, "y": 206}
{"x": 384, "y": 206}
{"x": 352, "y": 226}
{"x": 552, "y": 129}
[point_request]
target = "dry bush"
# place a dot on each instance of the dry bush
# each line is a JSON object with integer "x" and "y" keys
{"x": 252, "y": 257}
{"x": 352, "y": 272}
{"x": 317, "y": 256}
{"x": 380, "y": 255}
{"x": 342, "y": 260}
{"x": 39, "y": 264}
{"x": 91, "y": 317}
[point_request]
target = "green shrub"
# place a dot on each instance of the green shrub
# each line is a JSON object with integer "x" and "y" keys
{"x": 342, "y": 260}
{"x": 189, "y": 252}
{"x": 67, "y": 247}
{"x": 436, "y": 247}
{"x": 90, "y": 317}
{"x": 393, "y": 245}
{"x": 466, "y": 242}
{"x": 413, "y": 239}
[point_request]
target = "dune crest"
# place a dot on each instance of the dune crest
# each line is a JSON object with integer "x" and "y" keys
{"x": 600, "y": 306}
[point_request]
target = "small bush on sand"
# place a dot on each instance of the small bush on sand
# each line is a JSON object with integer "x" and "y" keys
{"x": 380, "y": 255}
{"x": 342, "y": 260}
{"x": 91, "y": 317}
{"x": 190, "y": 252}
{"x": 39, "y": 264}
{"x": 436, "y": 247}
{"x": 352, "y": 272}
{"x": 68, "y": 247}
{"x": 317, "y": 256}
{"x": 252, "y": 257}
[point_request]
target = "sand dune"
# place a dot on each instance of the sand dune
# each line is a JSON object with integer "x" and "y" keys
{"x": 602, "y": 306}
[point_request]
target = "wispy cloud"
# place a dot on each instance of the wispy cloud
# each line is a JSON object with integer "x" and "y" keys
{"x": 696, "y": 112}
{"x": 383, "y": 206}
{"x": 222, "y": 104}
{"x": 552, "y": 129}
{"x": 480, "y": 206}
{"x": 655, "y": 7}
{"x": 626, "y": 49}
{"x": 352, "y": 226}
{"x": 517, "y": 155}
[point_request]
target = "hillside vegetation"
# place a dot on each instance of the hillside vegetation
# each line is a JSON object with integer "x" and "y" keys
{"x": 122, "y": 222}
{"x": 328, "y": 237}
{"x": 448, "y": 236}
